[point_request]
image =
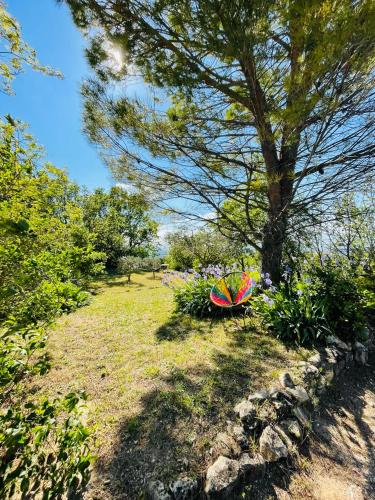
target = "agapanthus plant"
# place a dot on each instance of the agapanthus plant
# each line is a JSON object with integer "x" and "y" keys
{"x": 294, "y": 312}
{"x": 192, "y": 288}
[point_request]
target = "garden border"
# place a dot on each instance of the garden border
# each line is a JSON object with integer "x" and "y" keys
{"x": 278, "y": 419}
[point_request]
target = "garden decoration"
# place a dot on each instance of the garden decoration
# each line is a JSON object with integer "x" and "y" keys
{"x": 232, "y": 290}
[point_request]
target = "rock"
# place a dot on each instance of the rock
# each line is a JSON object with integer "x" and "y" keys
{"x": 238, "y": 433}
{"x": 292, "y": 427}
{"x": 266, "y": 413}
{"x": 285, "y": 438}
{"x": 286, "y": 380}
{"x": 252, "y": 468}
{"x": 364, "y": 334}
{"x": 184, "y": 489}
{"x": 274, "y": 390}
{"x": 310, "y": 374}
{"x": 361, "y": 357}
{"x": 340, "y": 366}
{"x": 282, "y": 402}
{"x": 225, "y": 445}
{"x": 315, "y": 360}
{"x": 360, "y": 353}
{"x": 247, "y": 413}
{"x": 259, "y": 396}
{"x": 298, "y": 393}
{"x": 301, "y": 416}
{"x": 271, "y": 446}
{"x": 349, "y": 358}
{"x": 222, "y": 478}
{"x": 335, "y": 341}
{"x": 280, "y": 394}
{"x": 155, "y": 490}
{"x": 311, "y": 369}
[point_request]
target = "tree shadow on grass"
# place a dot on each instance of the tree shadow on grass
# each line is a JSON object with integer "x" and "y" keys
{"x": 121, "y": 283}
{"x": 181, "y": 415}
{"x": 179, "y": 326}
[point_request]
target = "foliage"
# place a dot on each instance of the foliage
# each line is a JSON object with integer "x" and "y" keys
{"x": 365, "y": 281}
{"x": 294, "y": 313}
{"x": 352, "y": 235}
{"x": 152, "y": 263}
{"x": 200, "y": 247}
{"x": 43, "y": 240}
{"x": 314, "y": 301}
{"x": 129, "y": 265}
{"x": 192, "y": 289}
{"x": 344, "y": 302}
{"x": 121, "y": 222}
{"x": 46, "y": 449}
{"x": 194, "y": 298}
{"x": 46, "y": 256}
{"x": 15, "y": 53}
{"x": 266, "y": 106}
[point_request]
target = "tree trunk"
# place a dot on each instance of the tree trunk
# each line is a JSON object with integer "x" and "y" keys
{"x": 274, "y": 232}
{"x": 272, "y": 248}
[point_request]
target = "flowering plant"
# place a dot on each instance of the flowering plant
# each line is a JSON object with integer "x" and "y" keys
{"x": 192, "y": 288}
{"x": 294, "y": 312}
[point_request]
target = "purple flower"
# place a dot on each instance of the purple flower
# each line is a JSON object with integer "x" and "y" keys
{"x": 268, "y": 282}
{"x": 268, "y": 300}
{"x": 299, "y": 293}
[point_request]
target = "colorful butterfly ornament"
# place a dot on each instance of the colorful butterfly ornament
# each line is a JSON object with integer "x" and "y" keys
{"x": 232, "y": 290}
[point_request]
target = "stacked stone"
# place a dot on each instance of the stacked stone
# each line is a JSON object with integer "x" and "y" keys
{"x": 277, "y": 418}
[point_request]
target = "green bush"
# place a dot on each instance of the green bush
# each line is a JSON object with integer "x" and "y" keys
{"x": 295, "y": 314}
{"x": 194, "y": 298}
{"x": 344, "y": 301}
{"x": 192, "y": 289}
{"x": 326, "y": 299}
{"x": 365, "y": 282}
{"x": 46, "y": 449}
{"x": 46, "y": 256}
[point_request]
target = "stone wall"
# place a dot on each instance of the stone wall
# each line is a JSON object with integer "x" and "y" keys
{"x": 278, "y": 419}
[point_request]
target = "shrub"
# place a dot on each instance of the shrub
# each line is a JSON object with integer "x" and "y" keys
{"x": 46, "y": 449}
{"x": 44, "y": 445}
{"x": 294, "y": 313}
{"x": 43, "y": 263}
{"x": 187, "y": 250}
{"x": 192, "y": 289}
{"x": 344, "y": 301}
{"x": 194, "y": 298}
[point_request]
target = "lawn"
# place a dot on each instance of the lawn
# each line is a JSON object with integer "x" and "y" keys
{"x": 160, "y": 385}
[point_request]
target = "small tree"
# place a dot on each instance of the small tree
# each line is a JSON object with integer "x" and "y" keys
{"x": 129, "y": 265}
{"x": 152, "y": 264}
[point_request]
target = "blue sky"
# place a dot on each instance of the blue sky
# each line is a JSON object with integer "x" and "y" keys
{"x": 50, "y": 106}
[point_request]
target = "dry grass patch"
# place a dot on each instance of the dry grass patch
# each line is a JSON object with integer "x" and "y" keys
{"x": 160, "y": 385}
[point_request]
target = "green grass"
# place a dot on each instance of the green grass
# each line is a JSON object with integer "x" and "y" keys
{"x": 160, "y": 385}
